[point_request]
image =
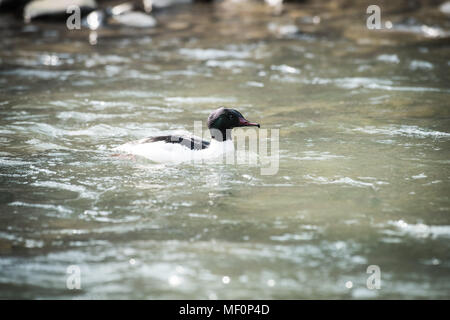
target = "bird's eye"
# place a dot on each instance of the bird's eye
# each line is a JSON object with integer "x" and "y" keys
{"x": 231, "y": 117}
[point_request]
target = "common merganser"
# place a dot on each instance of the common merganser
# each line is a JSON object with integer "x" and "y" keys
{"x": 175, "y": 148}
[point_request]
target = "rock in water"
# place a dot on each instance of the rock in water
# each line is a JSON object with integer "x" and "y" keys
{"x": 150, "y": 5}
{"x": 121, "y": 8}
{"x": 39, "y": 8}
{"x": 135, "y": 19}
{"x": 95, "y": 19}
{"x": 445, "y": 8}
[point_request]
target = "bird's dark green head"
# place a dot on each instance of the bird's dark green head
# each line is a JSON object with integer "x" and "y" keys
{"x": 221, "y": 121}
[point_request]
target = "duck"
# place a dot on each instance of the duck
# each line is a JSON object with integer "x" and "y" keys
{"x": 180, "y": 148}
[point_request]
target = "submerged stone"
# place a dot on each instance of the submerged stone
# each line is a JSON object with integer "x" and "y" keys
{"x": 95, "y": 19}
{"x": 121, "y": 8}
{"x": 445, "y": 8}
{"x": 135, "y": 19}
{"x": 42, "y": 8}
{"x": 150, "y": 5}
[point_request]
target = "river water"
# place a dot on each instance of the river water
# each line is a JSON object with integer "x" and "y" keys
{"x": 364, "y": 154}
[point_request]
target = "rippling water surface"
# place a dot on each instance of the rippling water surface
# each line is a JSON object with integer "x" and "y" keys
{"x": 363, "y": 175}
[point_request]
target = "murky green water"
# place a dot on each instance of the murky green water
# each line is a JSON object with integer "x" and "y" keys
{"x": 364, "y": 171}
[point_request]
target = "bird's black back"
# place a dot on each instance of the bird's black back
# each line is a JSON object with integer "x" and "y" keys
{"x": 188, "y": 142}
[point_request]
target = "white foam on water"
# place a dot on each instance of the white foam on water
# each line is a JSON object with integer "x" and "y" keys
{"x": 420, "y": 65}
{"x": 285, "y": 69}
{"x": 355, "y": 83}
{"x": 210, "y": 54}
{"x": 421, "y": 230}
{"x": 90, "y": 116}
{"x": 402, "y": 130}
{"x": 10, "y": 162}
{"x": 230, "y": 64}
{"x": 315, "y": 155}
{"x": 341, "y": 180}
{"x": 59, "y": 208}
{"x": 391, "y": 58}
{"x": 176, "y": 153}
{"x": 293, "y": 237}
{"x": 81, "y": 190}
{"x": 200, "y": 100}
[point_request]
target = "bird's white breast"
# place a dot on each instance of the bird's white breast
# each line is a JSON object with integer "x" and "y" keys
{"x": 174, "y": 152}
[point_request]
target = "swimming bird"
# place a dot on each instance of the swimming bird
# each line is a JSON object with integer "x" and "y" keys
{"x": 176, "y": 148}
